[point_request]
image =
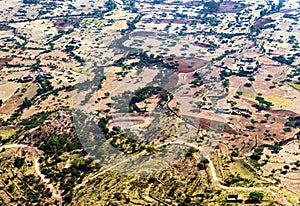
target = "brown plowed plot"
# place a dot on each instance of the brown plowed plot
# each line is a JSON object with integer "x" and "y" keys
{"x": 205, "y": 124}
{"x": 3, "y": 61}
{"x": 173, "y": 80}
{"x": 261, "y": 22}
{"x": 127, "y": 122}
{"x": 189, "y": 3}
{"x": 230, "y": 7}
{"x": 64, "y": 23}
{"x": 284, "y": 113}
{"x": 162, "y": 3}
{"x": 173, "y": 21}
{"x": 264, "y": 132}
{"x": 286, "y": 11}
{"x": 199, "y": 44}
{"x": 193, "y": 3}
{"x": 186, "y": 64}
{"x": 4, "y": 27}
{"x": 143, "y": 33}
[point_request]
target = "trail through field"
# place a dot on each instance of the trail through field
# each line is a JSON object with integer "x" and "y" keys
{"x": 215, "y": 178}
{"x": 53, "y": 190}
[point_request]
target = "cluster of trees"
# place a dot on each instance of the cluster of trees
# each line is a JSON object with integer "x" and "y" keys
{"x": 241, "y": 111}
{"x": 19, "y": 162}
{"x": 276, "y": 147}
{"x": 258, "y": 151}
{"x": 222, "y": 56}
{"x": 31, "y": 1}
{"x": 102, "y": 125}
{"x": 110, "y": 5}
{"x": 146, "y": 92}
{"x": 198, "y": 81}
{"x": 131, "y": 24}
{"x": 211, "y": 6}
{"x": 274, "y": 8}
{"x": 262, "y": 103}
{"x": 255, "y": 197}
{"x": 145, "y": 61}
{"x": 131, "y": 6}
{"x": 293, "y": 122}
{"x": 26, "y": 103}
{"x": 232, "y": 179}
{"x": 30, "y": 189}
{"x": 35, "y": 120}
{"x": 45, "y": 85}
{"x": 295, "y": 72}
{"x": 203, "y": 164}
{"x": 66, "y": 178}
{"x": 281, "y": 59}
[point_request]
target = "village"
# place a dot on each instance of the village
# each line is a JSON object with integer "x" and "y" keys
{"x": 149, "y": 102}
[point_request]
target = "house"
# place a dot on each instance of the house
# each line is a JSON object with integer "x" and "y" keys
{"x": 8, "y": 39}
{"x": 235, "y": 198}
{"x": 48, "y": 76}
{"x": 239, "y": 24}
{"x": 40, "y": 75}
{"x": 249, "y": 69}
{"x": 45, "y": 76}
{"x": 73, "y": 41}
{"x": 246, "y": 71}
{"x": 223, "y": 110}
{"x": 28, "y": 78}
{"x": 250, "y": 60}
{"x": 25, "y": 79}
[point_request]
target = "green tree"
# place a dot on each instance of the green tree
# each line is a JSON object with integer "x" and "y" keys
{"x": 276, "y": 148}
{"x": 26, "y": 103}
{"x": 239, "y": 93}
{"x": 110, "y": 5}
{"x": 255, "y": 197}
{"x": 212, "y": 6}
{"x": 251, "y": 79}
{"x": 267, "y": 115}
{"x": 19, "y": 162}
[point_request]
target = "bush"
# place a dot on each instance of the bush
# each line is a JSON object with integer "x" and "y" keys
{"x": 255, "y": 197}
{"x": 26, "y": 103}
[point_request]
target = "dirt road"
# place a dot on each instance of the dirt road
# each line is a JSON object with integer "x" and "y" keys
{"x": 54, "y": 192}
{"x": 215, "y": 178}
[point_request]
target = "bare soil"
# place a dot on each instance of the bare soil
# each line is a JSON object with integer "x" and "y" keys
{"x": 229, "y": 7}
{"x": 173, "y": 21}
{"x": 186, "y": 64}
{"x": 63, "y": 23}
{"x": 143, "y": 33}
{"x": 263, "y": 21}
{"x": 4, "y": 27}
{"x": 3, "y": 61}
{"x": 199, "y": 44}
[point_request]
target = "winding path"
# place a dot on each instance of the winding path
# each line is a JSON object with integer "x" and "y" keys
{"x": 54, "y": 192}
{"x": 215, "y": 178}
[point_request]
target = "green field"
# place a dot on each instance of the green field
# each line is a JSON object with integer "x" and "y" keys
{"x": 295, "y": 86}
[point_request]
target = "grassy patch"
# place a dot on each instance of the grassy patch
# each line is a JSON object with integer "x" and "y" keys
{"x": 239, "y": 168}
{"x": 295, "y": 86}
{"x": 95, "y": 21}
{"x": 279, "y": 101}
{"x": 82, "y": 71}
{"x": 7, "y": 132}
